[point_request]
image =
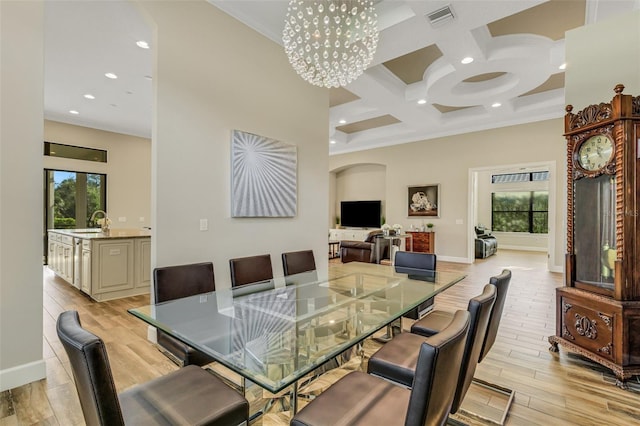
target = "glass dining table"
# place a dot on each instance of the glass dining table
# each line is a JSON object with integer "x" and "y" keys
{"x": 275, "y": 332}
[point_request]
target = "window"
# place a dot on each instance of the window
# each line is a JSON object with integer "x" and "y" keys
{"x": 520, "y": 177}
{"x": 520, "y": 212}
{"x": 76, "y": 152}
{"x": 72, "y": 197}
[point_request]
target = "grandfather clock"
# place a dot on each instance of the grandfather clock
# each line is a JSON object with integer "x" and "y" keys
{"x": 598, "y": 308}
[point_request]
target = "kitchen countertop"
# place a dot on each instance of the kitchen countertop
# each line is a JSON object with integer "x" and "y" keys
{"x": 97, "y": 234}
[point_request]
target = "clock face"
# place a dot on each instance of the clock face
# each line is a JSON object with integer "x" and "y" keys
{"x": 595, "y": 152}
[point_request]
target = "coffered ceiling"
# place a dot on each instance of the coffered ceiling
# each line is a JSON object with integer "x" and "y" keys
{"x": 417, "y": 88}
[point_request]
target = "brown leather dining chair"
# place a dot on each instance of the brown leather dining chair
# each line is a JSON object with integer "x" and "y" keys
{"x": 296, "y": 262}
{"x": 397, "y": 359}
{"x": 175, "y": 282}
{"x": 438, "y": 320}
{"x": 188, "y": 396}
{"x": 249, "y": 270}
{"x": 360, "y": 398}
{"x": 411, "y": 261}
{"x": 407, "y": 262}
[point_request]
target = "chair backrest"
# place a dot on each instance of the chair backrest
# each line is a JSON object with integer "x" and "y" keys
{"x": 371, "y": 237}
{"x": 479, "y": 311}
{"x": 296, "y": 262}
{"x": 502, "y": 285}
{"x": 415, "y": 260}
{"x": 174, "y": 282}
{"x": 249, "y": 270}
{"x": 436, "y": 375}
{"x": 91, "y": 371}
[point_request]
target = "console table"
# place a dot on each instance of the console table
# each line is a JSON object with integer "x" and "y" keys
{"x": 423, "y": 242}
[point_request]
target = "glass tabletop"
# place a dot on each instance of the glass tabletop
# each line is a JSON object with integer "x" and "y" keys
{"x": 275, "y": 332}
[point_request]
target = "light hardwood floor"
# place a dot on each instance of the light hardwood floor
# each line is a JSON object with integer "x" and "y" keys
{"x": 551, "y": 389}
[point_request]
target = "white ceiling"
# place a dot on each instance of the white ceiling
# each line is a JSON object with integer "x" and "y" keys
{"x": 86, "y": 39}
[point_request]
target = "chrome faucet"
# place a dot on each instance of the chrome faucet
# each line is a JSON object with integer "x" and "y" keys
{"x": 104, "y": 222}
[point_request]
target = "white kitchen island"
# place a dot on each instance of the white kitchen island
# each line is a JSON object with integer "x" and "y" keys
{"x": 104, "y": 265}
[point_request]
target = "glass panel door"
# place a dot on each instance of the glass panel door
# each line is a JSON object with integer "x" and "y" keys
{"x": 71, "y": 198}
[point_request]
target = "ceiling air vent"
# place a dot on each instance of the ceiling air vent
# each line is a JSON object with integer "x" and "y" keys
{"x": 441, "y": 15}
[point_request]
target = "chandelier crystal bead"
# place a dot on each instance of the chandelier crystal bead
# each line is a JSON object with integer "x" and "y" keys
{"x": 330, "y": 43}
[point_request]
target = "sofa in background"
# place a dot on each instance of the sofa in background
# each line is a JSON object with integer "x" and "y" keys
{"x": 486, "y": 244}
{"x": 360, "y": 251}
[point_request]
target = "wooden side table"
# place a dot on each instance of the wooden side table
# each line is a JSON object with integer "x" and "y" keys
{"x": 423, "y": 242}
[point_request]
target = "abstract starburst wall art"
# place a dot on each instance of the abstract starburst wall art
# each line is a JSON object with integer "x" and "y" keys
{"x": 263, "y": 176}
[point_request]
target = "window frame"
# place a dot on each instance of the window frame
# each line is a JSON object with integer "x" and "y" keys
{"x": 530, "y": 212}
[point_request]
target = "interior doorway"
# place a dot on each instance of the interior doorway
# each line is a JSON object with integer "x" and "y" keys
{"x": 70, "y": 198}
{"x": 479, "y": 193}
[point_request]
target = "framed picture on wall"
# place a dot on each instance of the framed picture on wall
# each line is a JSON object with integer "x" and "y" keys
{"x": 424, "y": 200}
{"x": 264, "y": 175}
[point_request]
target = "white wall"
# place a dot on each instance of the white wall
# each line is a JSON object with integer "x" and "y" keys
{"x": 212, "y": 75}
{"x": 599, "y": 56}
{"x": 21, "y": 115}
{"x": 361, "y": 182}
{"x": 128, "y": 169}
{"x": 447, "y": 161}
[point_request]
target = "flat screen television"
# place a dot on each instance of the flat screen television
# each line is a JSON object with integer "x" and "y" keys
{"x": 360, "y": 214}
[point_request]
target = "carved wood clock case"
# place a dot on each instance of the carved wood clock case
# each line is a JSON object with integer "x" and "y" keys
{"x": 598, "y": 308}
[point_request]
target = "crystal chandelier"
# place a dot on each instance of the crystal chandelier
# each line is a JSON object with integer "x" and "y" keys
{"x": 330, "y": 42}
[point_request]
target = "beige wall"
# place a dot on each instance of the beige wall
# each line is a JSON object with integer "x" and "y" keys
{"x": 449, "y": 161}
{"x": 212, "y": 75}
{"x": 599, "y": 56}
{"x": 128, "y": 169}
{"x": 21, "y": 112}
{"x": 360, "y": 183}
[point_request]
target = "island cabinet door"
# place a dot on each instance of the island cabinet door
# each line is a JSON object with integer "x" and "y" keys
{"x": 112, "y": 265}
{"x": 85, "y": 269}
{"x": 143, "y": 263}
{"x": 52, "y": 255}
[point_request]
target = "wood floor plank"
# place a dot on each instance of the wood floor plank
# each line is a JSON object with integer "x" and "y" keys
{"x": 9, "y": 421}
{"x": 65, "y": 405}
{"x": 31, "y": 404}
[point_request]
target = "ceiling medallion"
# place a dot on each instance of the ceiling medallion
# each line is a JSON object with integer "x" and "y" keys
{"x": 330, "y": 43}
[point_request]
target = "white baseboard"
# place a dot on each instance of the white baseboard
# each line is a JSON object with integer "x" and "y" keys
{"x": 556, "y": 268}
{"x": 20, "y": 375}
{"x": 454, "y": 259}
{"x": 522, "y": 248}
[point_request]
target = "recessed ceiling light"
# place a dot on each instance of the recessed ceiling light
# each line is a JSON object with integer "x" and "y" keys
{"x": 89, "y": 96}
{"x": 343, "y": 121}
{"x": 563, "y": 66}
{"x": 111, "y": 75}
{"x": 73, "y": 111}
{"x": 496, "y": 104}
{"x": 332, "y": 142}
{"x": 467, "y": 60}
{"x": 422, "y": 101}
{"x": 142, "y": 44}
